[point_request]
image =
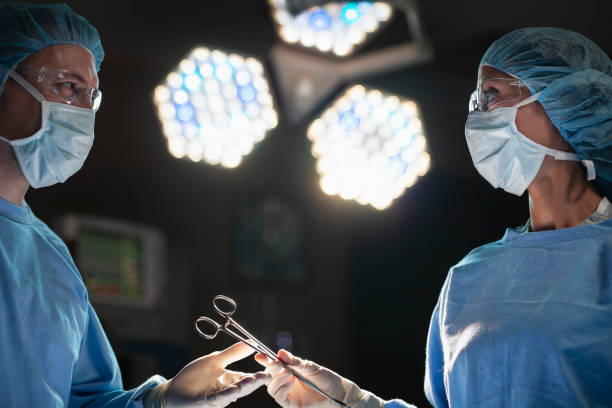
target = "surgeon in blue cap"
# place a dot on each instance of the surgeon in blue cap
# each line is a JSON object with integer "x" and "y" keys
{"x": 54, "y": 351}
{"x": 525, "y": 321}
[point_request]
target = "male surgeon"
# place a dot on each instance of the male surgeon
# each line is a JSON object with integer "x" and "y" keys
{"x": 54, "y": 350}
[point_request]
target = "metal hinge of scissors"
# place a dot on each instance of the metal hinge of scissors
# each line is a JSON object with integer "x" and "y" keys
{"x": 250, "y": 340}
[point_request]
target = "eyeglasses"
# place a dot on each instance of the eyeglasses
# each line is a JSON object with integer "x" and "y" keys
{"x": 493, "y": 92}
{"x": 71, "y": 88}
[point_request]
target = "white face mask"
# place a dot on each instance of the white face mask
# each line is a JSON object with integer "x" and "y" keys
{"x": 61, "y": 145}
{"x": 504, "y": 156}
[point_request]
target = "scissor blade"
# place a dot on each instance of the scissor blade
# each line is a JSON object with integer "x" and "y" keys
{"x": 252, "y": 338}
{"x": 257, "y": 345}
{"x": 252, "y": 343}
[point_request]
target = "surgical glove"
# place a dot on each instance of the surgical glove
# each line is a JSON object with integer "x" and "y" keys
{"x": 206, "y": 382}
{"x": 289, "y": 392}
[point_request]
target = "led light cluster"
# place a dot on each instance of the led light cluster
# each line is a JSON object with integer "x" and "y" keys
{"x": 215, "y": 107}
{"x": 369, "y": 146}
{"x": 334, "y": 27}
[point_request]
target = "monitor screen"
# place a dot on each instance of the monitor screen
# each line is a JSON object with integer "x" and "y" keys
{"x": 111, "y": 264}
{"x": 121, "y": 261}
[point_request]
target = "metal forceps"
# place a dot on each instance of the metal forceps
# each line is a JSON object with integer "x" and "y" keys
{"x": 226, "y": 307}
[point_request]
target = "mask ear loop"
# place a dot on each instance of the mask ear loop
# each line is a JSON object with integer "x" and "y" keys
{"x": 590, "y": 167}
{"x": 528, "y": 100}
{"x": 559, "y": 155}
{"x": 43, "y": 102}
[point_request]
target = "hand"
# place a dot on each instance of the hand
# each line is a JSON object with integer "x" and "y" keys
{"x": 289, "y": 392}
{"x": 206, "y": 383}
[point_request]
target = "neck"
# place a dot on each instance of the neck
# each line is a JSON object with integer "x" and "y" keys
{"x": 560, "y": 196}
{"x": 13, "y": 185}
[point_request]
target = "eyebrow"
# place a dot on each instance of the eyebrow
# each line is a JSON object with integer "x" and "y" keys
{"x": 72, "y": 75}
{"x": 69, "y": 74}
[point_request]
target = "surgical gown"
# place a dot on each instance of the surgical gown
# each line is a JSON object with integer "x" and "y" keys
{"x": 53, "y": 349}
{"x": 526, "y": 322}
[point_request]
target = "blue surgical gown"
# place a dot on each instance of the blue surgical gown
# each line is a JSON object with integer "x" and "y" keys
{"x": 526, "y": 322}
{"x": 53, "y": 349}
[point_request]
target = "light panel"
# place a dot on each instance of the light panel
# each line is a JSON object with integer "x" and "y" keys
{"x": 215, "y": 107}
{"x": 369, "y": 146}
{"x": 335, "y": 27}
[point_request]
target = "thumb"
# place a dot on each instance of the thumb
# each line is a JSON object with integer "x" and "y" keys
{"x": 263, "y": 359}
{"x": 233, "y": 353}
{"x": 303, "y": 367}
{"x": 289, "y": 359}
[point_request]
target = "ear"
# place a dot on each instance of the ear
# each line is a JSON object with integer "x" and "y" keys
{"x": 20, "y": 112}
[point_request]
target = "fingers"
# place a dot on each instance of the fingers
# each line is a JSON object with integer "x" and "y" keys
{"x": 283, "y": 355}
{"x": 280, "y": 381}
{"x": 246, "y": 385}
{"x": 288, "y": 358}
{"x": 272, "y": 367}
{"x": 233, "y": 353}
{"x": 230, "y": 377}
{"x": 303, "y": 367}
{"x": 263, "y": 359}
{"x": 282, "y": 392}
{"x": 275, "y": 368}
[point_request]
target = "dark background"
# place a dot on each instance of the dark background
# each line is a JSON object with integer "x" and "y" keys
{"x": 371, "y": 278}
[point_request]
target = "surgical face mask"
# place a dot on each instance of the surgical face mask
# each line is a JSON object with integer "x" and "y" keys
{"x": 504, "y": 156}
{"x": 61, "y": 145}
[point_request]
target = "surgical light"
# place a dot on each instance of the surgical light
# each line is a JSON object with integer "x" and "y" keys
{"x": 336, "y": 31}
{"x": 370, "y": 146}
{"x": 337, "y": 27}
{"x": 215, "y": 107}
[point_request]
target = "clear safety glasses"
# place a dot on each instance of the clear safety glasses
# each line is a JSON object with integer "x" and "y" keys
{"x": 71, "y": 88}
{"x": 495, "y": 92}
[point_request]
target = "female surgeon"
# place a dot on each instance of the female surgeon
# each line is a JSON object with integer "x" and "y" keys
{"x": 525, "y": 321}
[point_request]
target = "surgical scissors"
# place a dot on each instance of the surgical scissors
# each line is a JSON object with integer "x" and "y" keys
{"x": 227, "y": 312}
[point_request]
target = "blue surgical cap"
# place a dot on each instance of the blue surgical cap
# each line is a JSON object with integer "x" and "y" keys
{"x": 575, "y": 78}
{"x": 26, "y": 28}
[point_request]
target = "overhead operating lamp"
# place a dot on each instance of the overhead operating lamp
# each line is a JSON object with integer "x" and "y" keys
{"x": 321, "y": 41}
{"x": 370, "y": 146}
{"x": 338, "y": 28}
{"x": 215, "y": 107}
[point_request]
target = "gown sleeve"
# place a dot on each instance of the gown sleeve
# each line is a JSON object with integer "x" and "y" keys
{"x": 434, "y": 364}
{"x": 96, "y": 379}
{"x": 396, "y": 403}
{"x": 370, "y": 400}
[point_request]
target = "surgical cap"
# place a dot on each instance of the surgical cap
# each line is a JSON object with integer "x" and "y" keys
{"x": 26, "y": 28}
{"x": 575, "y": 78}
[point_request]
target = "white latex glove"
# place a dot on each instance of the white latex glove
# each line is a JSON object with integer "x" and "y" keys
{"x": 289, "y": 392}
{"x": 206, "y": 383}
